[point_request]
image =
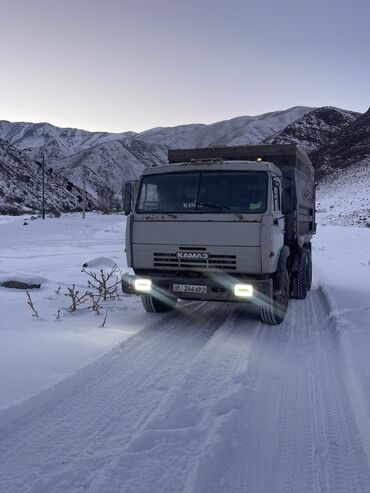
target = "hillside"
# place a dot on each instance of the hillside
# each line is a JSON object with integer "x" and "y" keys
{"x": 21, "y": 185}
{"x": 112, "y": 158}
{"x": 343, "y": 196}
{"x": 351, "y": 145}
{"x": 56, "y": 142}
{"x": 334, "y": 138}
{"x": 241, "y": 130}
{"x": 315, "y": 129}
{"x": 112, "y": 163}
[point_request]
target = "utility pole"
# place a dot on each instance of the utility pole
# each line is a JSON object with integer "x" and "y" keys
{"x": 84, "y": 192}
{"x": 42, "y": 164}
{"x": 43, "y": 185}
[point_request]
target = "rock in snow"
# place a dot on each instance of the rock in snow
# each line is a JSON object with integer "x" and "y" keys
{"x": 20, "y": 282}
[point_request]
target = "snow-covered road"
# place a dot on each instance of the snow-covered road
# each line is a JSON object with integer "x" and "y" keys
{"x": 206, "y": 399}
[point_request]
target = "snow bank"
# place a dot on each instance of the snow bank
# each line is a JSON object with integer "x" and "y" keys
{"x": 342, "y": 266}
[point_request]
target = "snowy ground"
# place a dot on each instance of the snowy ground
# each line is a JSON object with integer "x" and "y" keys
{"x": 37, "y": 353}
{"x": 206, "y": 399}
{"x": 343, "y": 197}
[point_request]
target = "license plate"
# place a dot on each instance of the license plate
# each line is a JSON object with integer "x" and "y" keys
{"x": 189, "y": 288}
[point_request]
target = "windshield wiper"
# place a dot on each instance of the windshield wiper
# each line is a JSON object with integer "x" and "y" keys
{"x": 220, "y": 207}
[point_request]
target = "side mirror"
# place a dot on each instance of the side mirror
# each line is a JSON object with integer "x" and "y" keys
{"x": 127, "y": 198}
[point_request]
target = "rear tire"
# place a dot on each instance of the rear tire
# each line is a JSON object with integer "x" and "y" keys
{"x": 274, "y": 311}
{"x": 154, "y": 305}
{"x": 309, "y": 279}
{"x": 302, "y": 278}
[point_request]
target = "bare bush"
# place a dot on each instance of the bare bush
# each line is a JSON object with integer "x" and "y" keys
{"x": 76, "y": 298}
{"x": 106, "y": 284}
{"x": 31, "y": 305}
{"x": 95, "y": 303}
{"x": 102, "y": 286}
{"x": 105, "y": 319}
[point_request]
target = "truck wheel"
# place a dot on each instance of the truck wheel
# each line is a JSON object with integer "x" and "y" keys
{"x": 301, "y": 280}
{"x": 273, "y": 312}
{"x": 154, "y": 305}
{"x": 309, "y": 277}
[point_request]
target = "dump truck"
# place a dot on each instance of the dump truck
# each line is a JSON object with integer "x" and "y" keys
{"x": 227, "y": 224}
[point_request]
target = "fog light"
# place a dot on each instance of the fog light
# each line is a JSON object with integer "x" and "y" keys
{"x": 243, "y": 290}
{"x": 143, "y": 285}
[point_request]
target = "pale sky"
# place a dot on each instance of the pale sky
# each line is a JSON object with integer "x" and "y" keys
{"x": 118, "y": 65}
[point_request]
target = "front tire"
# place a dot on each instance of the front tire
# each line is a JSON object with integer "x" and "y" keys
{"x": 154, "y": 305}
{"x": 273, "y": 312}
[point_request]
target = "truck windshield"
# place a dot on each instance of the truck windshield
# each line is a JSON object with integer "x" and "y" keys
{"x": 209, "y": 191}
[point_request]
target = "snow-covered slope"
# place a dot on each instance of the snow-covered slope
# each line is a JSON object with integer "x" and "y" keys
{"x": 58, "y": 143}
{"x": 21, "y": 185}
{"x": 111, "y": 163}
{"x": 112, "y": 158}
{"x": 55, "y": 141}
{"x": 349, "y": 146}
{"x": 241, "y": 130}
{"x": 333, "y": 138}
{"x": 315, "y": 129}
{"x": 343, "y": 196}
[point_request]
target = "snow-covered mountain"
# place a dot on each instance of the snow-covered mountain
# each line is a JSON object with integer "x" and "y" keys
{"x": 111, "y": 163}
{"x": 57, "y": 142}
{"x": 343, "y": 196}
{"x": 21, "y": 185}
{"x": 109, "y": 159}
{"x": 333, "y": 137}
{"x": 338, "y": 143}
{"x": 348, "y": 147}
{"x": 315, "y": 129}
{"x": 241, "y": 130}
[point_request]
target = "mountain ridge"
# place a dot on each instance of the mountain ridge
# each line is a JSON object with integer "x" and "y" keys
{"x": 109, "y": 159}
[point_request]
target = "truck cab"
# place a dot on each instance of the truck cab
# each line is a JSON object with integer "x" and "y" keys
{"x": 213, "y": 228}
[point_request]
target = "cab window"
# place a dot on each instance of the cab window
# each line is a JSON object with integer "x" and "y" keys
{"x": 276, "y": 195}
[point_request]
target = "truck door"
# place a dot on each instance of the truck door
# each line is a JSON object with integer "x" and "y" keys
{"x": 278, "y": 219}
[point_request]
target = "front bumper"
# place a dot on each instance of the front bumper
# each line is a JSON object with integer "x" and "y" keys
{"x": 218, "y": 288}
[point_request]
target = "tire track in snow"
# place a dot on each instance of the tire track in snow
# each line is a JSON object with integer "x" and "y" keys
{"x": 193, "y": 427}
{"x": 65, "y": 443}
{"x": 296, "y": 429}
{"x": 184, "y": 407}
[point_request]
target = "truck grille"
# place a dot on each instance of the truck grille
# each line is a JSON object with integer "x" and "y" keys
{"x": 213, "y": 262}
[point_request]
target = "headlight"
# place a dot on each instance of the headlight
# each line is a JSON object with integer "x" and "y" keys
{"x": 143, "y": 285}
{"x": 243, "y": 290}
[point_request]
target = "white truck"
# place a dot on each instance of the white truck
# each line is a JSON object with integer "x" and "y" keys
{"x": 222, "y": 224}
